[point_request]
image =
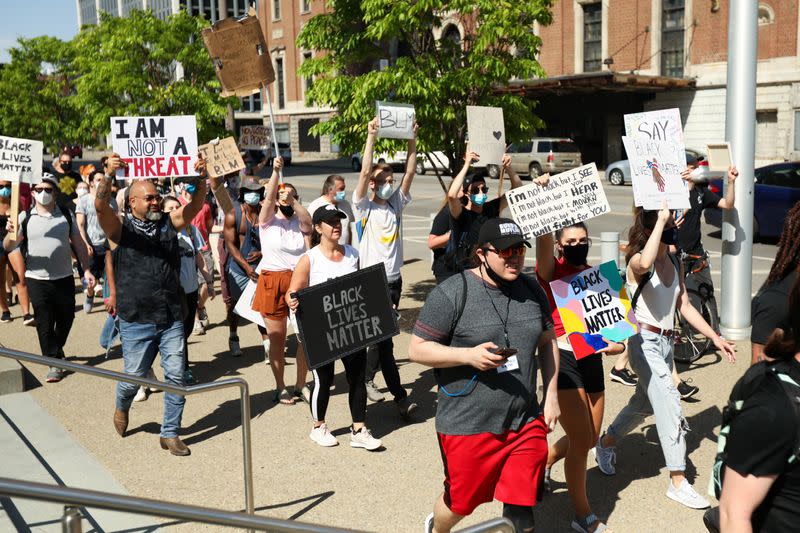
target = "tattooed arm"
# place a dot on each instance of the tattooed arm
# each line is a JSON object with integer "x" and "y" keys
{"x": 108, "y": 220}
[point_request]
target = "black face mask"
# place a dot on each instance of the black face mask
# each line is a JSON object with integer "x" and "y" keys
{"x": 502, "y": 284}
{"x": 287, "y": 210}
{"x": 66, "y": 166}
{"x": 669, "y": 236}
{"x": 576, "y": 255}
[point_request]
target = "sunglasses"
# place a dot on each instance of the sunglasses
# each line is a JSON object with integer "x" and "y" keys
{"x": 150, "y": 198}
{"x": 476, "y": 190}
{"x": 508, "y": 252}
{"x": 43, "y": 189}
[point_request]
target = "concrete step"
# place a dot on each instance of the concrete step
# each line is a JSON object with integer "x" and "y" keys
{"x": 35, "y": 447}
{"x": 11, "y": 376}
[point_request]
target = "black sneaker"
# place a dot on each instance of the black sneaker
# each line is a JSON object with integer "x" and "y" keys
{"x": 28, "y": 320}
{"x": 624, "y": 376}
{"x": 5, "y": 317}
{"x": 686, "y": 390}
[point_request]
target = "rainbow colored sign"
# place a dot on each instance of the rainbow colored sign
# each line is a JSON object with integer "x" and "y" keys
{"x": 594, "y": 306}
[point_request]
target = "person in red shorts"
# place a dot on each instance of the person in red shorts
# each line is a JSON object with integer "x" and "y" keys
{"x": 480, "y": 330}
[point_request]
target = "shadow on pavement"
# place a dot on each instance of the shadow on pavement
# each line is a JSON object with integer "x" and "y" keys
{"x": 226, "y": 417}
{"x": 419, "y": 291}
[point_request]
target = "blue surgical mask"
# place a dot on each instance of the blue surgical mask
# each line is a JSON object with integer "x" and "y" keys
{"x": 190, "y": 188}
{"x": 252, "y": 198}
{"x": 479, "y": 199}
{"x": 339, "y": 197}
{"x": 385, "y": 192}
{"x": 5, "y": 192}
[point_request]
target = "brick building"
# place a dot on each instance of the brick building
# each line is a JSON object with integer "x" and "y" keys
{"x": 605, "y": 58}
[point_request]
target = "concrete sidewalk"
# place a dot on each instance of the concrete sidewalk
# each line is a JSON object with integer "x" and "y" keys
{"x": 388, "y": 491}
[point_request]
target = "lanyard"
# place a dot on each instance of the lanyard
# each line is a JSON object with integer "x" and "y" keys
{"x": 503, "y": 322}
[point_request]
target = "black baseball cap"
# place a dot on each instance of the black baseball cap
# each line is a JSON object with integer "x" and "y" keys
{"x": 326, "y": 212}
{"x": 501, "y": 233}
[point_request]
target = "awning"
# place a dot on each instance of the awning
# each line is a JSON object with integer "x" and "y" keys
{"x": 592, "y": 82}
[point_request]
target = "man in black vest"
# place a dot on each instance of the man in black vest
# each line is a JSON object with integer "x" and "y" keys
{"x": 150, "y": 302}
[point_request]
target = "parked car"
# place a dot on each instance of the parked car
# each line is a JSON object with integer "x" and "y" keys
{"x": 540, "y": 155}
{"x": 777, "y": 189}
{"x": 619, "y": 172}
{"x": 425, "y": 164}
{"x": 398, "y": 159}
{"x": 286, "y": 153}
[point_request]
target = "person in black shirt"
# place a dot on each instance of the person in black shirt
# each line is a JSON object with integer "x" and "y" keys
{"x": 67, "y": 177}
{"x": 437, "y": 242}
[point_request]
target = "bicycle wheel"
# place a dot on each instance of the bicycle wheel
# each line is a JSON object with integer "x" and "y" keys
{"x": 690, "y": 344}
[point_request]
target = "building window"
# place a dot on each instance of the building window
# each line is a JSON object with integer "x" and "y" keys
{"x": 252, "y": 103}
{"x": 672, "y": 38}
{"x": 109, "y": 6}
{"x": 765, "y": 15}
{"x": 305, "y": 6}
{"x": 238, "y": 8}
{"x": 592, "y": 36}
{"x": 309, "y": 81}
{"x": 276, "y": 9}
{"x": 279, "y": 83}
{"x": 767, "y": 134}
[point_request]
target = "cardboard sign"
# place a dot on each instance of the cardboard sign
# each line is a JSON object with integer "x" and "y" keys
{"x": 155, "y": 147}
{"x": 222, "y": 157}
{"x": 487, "y": 133}
{"x": 661, "y": 125}
{"x": 719, "y": 157}
{"x": 656, "y": 168}
{"x": 255, "y": 137}
{"x": 594, "y": 305}
{"x": 240, "y": 55}
{"x": 344, "y": 315}
{"x": 244, "y": 306}
{"x": 570, "y": 197}
{"x": 395, "y": 121}
{"x": 20, "y": 160}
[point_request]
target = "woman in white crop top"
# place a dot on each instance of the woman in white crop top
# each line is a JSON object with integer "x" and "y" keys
{"x": 651, "y": 350}
{"x": 326, "y": 261}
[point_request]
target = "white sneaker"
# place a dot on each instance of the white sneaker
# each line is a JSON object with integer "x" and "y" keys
{"x": 606, "y": 458}
{"x": 141, "y": 395}
{"x": 686, "y": 495}
{"x": 323, "y": 437}
{"x": 199, "y": 328}
{"x": 364, "y": 439}
{"x": 429, "y": 523}
{"x": 266, "y": 344}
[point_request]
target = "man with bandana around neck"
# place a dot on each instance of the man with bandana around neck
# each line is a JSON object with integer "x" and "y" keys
{"x": 378, "y": 209}
{"x": 150, "y": 302}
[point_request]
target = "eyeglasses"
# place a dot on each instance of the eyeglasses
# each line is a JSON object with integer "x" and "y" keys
{"x": 150, "y": 198}
{"x": 43, "y": 189}
{"x": 508, "y": 252}
{"x": 476, "y": 190}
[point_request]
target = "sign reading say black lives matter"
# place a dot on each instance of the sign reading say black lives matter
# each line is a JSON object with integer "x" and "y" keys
{"x": 569, "y": 197}
{"x": 344, "y": 315}
{"x": 155, "y": 147}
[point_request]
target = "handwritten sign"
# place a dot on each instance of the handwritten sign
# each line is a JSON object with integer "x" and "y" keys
{"x": 487, "y": 133}
{"x": 594, "y": 305}
{"x": 656, "y": 168}
{"x": 20, "y": 160}
{"x": 240, "y": 55}
{"x": 155, "y": 147}
{"x": 661, "y": 125}
{"x": 256, "y": 137}
{"x": 344, "y": 315}
{"x": 395, "y": 121}
{"x": 570, "y": 197}
{"x": 222, "y": 157}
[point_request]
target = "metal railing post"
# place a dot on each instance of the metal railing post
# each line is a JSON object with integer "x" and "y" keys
{"x": 247, "y": 449}
{"x": 71, "y": 520}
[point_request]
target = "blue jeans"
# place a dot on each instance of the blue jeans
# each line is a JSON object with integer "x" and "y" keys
{"x": 651, "y": 358}
{"x": 140, "y": 343}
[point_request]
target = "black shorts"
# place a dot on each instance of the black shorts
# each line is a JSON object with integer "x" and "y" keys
{"x": 585, "y": 374}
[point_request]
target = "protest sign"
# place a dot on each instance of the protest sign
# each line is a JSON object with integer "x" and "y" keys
{"x": 222, "y": 157}
{"x": 20, "y": 160}
{"x": 239, "y": 52}
{"x": 661, "y": 125}
{"x": 155, "y": 147}
{"x": 244, "y": 306}
{"x": 395, "y": 121}
{"x": 344, "y": 315}
{"x": 487, "y": 133}
{"x": 719, "y": 157}
{"x": 570, "y": 197}
{"x": 656, "y": 168}
{"x": 255, "y": 137}
{"x": 594, "y": 305}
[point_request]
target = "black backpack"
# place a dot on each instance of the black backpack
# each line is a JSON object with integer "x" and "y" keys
{"x": 23, "y": 229}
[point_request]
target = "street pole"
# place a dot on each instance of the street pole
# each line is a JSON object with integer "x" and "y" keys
{"x": 740, "y": 126}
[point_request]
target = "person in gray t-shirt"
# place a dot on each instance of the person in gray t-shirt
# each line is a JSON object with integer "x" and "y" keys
{"x": 481, "y": 330}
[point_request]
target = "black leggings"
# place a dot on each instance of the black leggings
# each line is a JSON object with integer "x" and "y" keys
{"x": 354, "y": 367}
{"x": 188, "y": 324}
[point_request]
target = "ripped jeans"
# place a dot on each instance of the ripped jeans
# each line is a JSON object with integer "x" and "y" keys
{"x": 651, "y": 358}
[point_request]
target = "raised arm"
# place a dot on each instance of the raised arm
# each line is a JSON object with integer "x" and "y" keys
{"x": 513, "y": 178}
{"x": 453, "y": 198}
{"x": 411, "y": 163}
{"x": 108, "y": 220}
{"x": 303, "y": 216}
{"x": 644, "y": 261}
{"x": 221, "y": 194}
{"x": 366, "y": 162}
{"x": 730, "y": 192}
{"x": 183, "y": 216}
{"x": 270, "y": 193}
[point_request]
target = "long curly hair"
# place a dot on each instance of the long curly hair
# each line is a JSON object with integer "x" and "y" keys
{"x": 784, "y": 344}
{"x": 788, "y": 256}
{"x": 643, "y": 221}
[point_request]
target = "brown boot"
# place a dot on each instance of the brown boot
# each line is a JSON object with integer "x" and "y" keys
{"x": 121, "y": 422}
{"x": 175, "y": 446}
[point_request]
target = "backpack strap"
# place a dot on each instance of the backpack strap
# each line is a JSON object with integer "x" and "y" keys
{"x": 461, "y": 307}
{"x": 647, "y": 276}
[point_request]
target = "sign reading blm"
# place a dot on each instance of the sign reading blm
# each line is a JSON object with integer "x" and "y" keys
{"x": 155, "y": 147}
{"x": 395, "y": 121}
{"x": 222, "y": 157}
{"x": 344, "y": 315}
{"x": 570, "y": 197}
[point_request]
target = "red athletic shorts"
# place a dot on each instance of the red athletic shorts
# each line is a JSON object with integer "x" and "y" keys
{"x": 508, "y": 467}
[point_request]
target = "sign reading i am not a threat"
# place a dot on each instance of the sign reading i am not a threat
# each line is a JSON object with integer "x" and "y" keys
{"x": 344, "y": 315}
{"x": 395, "y": 121}
{"x": 155, "y": 147}
{"x": 20, "y": 160}
{"x": 570, "y": 197}
{"x": 222, "y": 157}
{"x": 594, "y": 306}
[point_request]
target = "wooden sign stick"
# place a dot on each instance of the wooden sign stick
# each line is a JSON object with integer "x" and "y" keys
{"x": 500, "y": 184}
{"x": 14, "y": 210}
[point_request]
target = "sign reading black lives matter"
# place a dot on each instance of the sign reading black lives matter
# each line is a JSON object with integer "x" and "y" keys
{"x": 570, "y": 197}
{"x": 20, "y": 160}
{"x": 345, "y": 314}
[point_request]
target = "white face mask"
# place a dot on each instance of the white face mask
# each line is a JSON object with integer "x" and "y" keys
{"x": 252, "y": 198}
{"x": 43, "y": 197}
{"x": 385, "y": 191}
{"x": 81, "y": 192}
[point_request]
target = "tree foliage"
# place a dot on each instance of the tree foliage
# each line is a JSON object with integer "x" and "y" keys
{"x": 67, "y": 91}
{"x": 440, "y": 77}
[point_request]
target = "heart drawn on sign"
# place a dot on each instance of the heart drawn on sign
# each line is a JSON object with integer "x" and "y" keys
{"x": 497, "y": 134}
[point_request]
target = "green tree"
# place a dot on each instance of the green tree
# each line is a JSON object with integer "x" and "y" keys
{"x": 440, "y": 77}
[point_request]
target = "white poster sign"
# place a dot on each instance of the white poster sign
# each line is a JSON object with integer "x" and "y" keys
{"x": 395, "y": 121}
{"x": 661, "y": 125}
{"x": 570, "y": 197}
{"x": 487, "y": 133}
{"x": 656, "y": 168}
{"x": 256, "y": 137}
{"x": 155, "y": 147}
{"x": 244, "y": 307}
{"x": 20, "y": 160}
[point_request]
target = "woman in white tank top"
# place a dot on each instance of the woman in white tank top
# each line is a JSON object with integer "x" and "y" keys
{"x": 651, "y": 350}
{"x": 323, "y": 262}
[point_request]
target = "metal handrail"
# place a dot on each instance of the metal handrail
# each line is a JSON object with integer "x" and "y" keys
{"x": 244, "y": 396}
{"x": 144, "y": 506}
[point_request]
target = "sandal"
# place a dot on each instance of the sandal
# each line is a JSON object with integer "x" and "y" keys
{"x": 302, "y": 394}
{"x": 583, "y": 525}
{"x": 283, "y": 396}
